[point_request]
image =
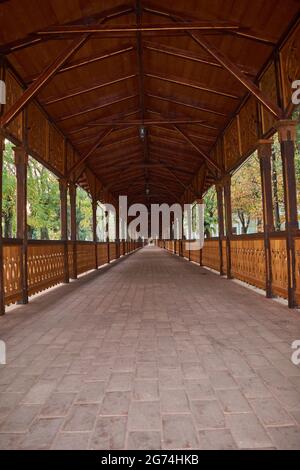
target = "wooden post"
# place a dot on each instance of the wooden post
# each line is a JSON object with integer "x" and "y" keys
{"x": 63, "y": 190}
{"x": 2, "y": 299}
{"x": 265, "y": 155}
{"x": 21, "y": 163}
{"x": 95, "y": 240}
{"x": 219, "y": 190}
{"x": 117, "y": 235}
{"x": 228, "y": 219}
{"x": 72, "y": 191}
{"x": 287, "y": 137}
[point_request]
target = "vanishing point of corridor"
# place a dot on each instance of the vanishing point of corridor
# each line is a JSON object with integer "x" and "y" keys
{"x": 152, "y": 352}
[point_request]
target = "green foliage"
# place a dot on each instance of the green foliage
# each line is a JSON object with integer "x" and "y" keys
{"x": 84, "y": 216}
{"x": 9, "y": 193}
{"x": 43, "y": 202}
{"x": 246, "y": 193}
{"x": 211, "y": 212}
{"x": 43, "y": 206}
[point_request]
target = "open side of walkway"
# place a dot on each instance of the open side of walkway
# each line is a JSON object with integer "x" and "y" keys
{"x": 154, "y": 352}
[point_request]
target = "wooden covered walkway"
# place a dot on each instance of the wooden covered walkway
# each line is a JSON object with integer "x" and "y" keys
{"x": 152, "y": 352}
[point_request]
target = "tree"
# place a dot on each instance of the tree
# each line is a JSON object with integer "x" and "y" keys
{"x": 84, "y": 216}
{"x": 9, "y": 192}
{"x": 210, "y": 212}
{"x": 246, "y": 193}
{"x": 43, "y": 203}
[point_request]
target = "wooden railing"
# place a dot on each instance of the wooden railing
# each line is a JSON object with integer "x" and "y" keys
{"x": 46, "y": 263}
{"x": 12, "y": 256}
{"x": 247, "y": 259}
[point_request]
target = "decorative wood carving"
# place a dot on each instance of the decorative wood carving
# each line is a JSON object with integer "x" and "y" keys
{"x": 248, "y": 261}
{"x": 45, "y": 266}
{"x": 248, "y": 125}
{"x": 232, "y": 146}
{"x": 37, "y": 131}
{"x": 211, "y": 254}
{"x": 12, "y": 273}
{"x": 290, "y": 64}
{"x": 56, "y": 149}
{"x": 269, "y": 88}
{"x": 279, "y": 267}
{"x": 13, "y": 93}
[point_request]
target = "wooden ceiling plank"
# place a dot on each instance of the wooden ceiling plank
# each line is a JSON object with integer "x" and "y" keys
{"x": 104, "y": 104}
{"x": 32, "y": 38}
{"x": 89, "y": 153}
{"x": 273, "y": 108}
{"x": 188, "y": 55}
{"x": 188, "y": 105}
{"x": 198, "y": 149}
{"x": 87, "y": 61}
{"x": 46, "y": 75}
{"x": 84, "y": 90}
{"x": 191, "y": 84}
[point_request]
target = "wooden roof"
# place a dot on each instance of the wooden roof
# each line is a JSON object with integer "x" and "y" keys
{"x": 156, "y": 75}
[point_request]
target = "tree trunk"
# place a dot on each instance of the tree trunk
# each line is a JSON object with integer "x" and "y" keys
{"x": 275, "y": 192}
{"x": 44, "y": 233}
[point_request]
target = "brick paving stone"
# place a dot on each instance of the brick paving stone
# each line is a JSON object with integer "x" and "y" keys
{"x": 81, "y": 418}
{"x": 179, "y": 432}
{"x": 115, "y": 403}
{"x": 144, "y": 416}
{"x": 286, "y": 437}
{"x": 109, "y": 433}
{"x": 156, "y": 352}
{"x": 216, "y": 439}
{"x": 146, "y": 390}
{"x": 175, "y": 402}
{"x": 141, "y": 440}
{"x": 247, "y": 431}
{"x": 71, "y": 441}
{"x": 207, "y": 414}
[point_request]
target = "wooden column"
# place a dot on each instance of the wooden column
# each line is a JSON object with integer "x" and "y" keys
{"x": 287, "y": 137}
{"x": 95, "y": 240}
{"x": 265, "y": 155}
{"x": 117, "y": 235}
{"x": 228, "y": 220}
{"x": 63, "y": 190}
{"x": 2, "y": 300}
{"x": 21, "y": 163}
{"x": 219, "y": 190}
{"x": 72, "y": 191}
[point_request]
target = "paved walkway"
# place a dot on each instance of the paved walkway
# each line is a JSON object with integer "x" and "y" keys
{"x": 151, "y": 353}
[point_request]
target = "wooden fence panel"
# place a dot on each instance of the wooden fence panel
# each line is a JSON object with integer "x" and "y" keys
{"x": 248, "y": 261}
{"x": 279, "y": 266}
{"x": 211, "y": 254}
{"x": 12, "y": 273}
{"x": 45, "y": 265}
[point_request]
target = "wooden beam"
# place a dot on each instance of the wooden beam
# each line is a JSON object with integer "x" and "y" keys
{"x": 273, "y": 108}
{"x": 32, "y": 38}
{"x": 88, "y": 125}
{"x": 87, "y": 61}
{"x": 189, "y": 55}
{"x": 191, "y": 84}
{"x": 133, "y": 28}
{"x": 147, "y": 122}
{"x": 82, "y": 91}
{"x": 183, "y": 118}
{"x": 198, "y": 149}
{"x": 41, "y": 81}
{"x": 187, "y": 105}
{"x": 89, "y": 153}
{"x": 245, "y": 31}
{"x": 103, "y": 104}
